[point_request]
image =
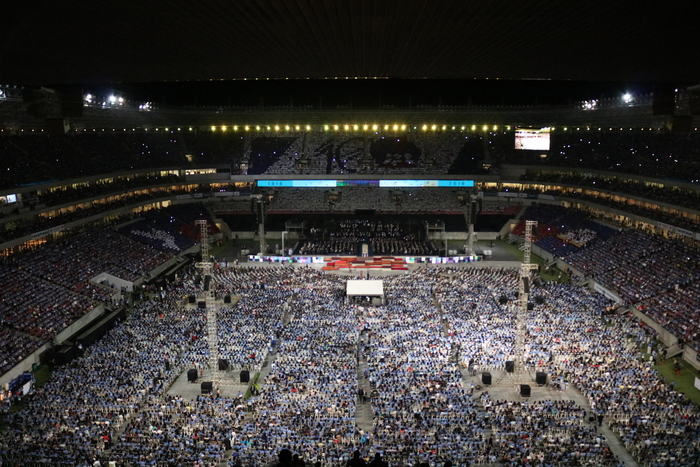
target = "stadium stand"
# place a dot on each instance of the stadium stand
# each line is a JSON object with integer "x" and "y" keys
{"x": 310, "y": 395}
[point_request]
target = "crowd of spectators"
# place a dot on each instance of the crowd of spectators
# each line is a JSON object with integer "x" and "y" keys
{"x": 382, "y": 237}
{"x": 676, "y": 311}
{"x": 350, "y": 199}
{"x": 46, "y": 289}
{"x": 66, "y": 194}
{"x": 657, "y": 154}
{"x": 638, "y": 265}
{"x": 76, "y": 415}
{"x": 42, "y": 157}
{"x": 562, "y": 231}
{"x": 601, "y": 358}
{"x": 308, "y": 400}
{"x": 657, "y": 274}
{"x": 112, "y": 403}
{"x": 668, "y": 193}
{"x": 654, "y": 213}
{"x": 38, "y": 222}
{"x": 39, "y": 308}
{"x": 172, "y": 229}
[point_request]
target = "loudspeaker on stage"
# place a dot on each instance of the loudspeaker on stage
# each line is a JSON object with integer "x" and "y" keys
{"x": 525, "y": 390}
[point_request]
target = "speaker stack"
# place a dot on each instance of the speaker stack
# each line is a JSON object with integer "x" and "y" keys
{"x": 541, "y": 378}
{"x": 524, "y": 390}
{"x": 201, "y": 304}
{"x": 191, "y": 299}
{"x": 227, "y": 299}
{"x": 192, "y": 375}
{"x": 207, "y": 387}
{"x": 486, "y": 378}
{"x": 510, "y": 366}
{"x": 223, "y": 364}
{"x": 245, "y": 376}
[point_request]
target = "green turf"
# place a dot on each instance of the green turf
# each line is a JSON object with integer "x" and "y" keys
{"x": 42, "y": 375}
{"x": 684, "y": 382}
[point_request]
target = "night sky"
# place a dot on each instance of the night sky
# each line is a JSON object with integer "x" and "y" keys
{"x": 431, "y": 52}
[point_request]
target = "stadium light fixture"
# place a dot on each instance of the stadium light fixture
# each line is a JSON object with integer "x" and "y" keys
{"x": 627, "y": 97}
{"x": 213, "y": 128}
{"x": 112, "y": 99}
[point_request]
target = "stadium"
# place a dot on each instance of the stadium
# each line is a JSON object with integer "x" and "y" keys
{"x": 331, "y": 252}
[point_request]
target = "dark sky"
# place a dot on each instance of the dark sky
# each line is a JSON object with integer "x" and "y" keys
{"x": 106, "y": 42}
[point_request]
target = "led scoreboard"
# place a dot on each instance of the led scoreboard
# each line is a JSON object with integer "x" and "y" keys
{"x": 378, "y": 183}
{"x": 532, "y": 139}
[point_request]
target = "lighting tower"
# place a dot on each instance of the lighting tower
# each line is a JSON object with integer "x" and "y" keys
{"x": 261, "y": 213}
{"x": 470, "y": 203}
{"x": 523, "y": 295}
{"x": 207, "y": 266}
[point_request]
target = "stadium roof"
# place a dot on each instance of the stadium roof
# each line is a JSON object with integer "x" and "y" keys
{"x": 165, "y": 40}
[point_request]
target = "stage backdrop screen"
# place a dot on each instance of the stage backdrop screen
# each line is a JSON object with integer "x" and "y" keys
{"x": 532, "y": 139}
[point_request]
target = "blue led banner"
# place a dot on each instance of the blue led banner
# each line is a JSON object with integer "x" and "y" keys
{"x": 380, "y": 183}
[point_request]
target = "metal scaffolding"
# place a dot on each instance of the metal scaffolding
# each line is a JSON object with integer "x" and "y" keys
{"x": 469, "y": 204}
{"x": 207, "y": 266}
{"x": 523, "y": 298}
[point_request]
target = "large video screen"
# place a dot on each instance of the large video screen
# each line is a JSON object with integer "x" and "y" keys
{"x": 532, "y": 139}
